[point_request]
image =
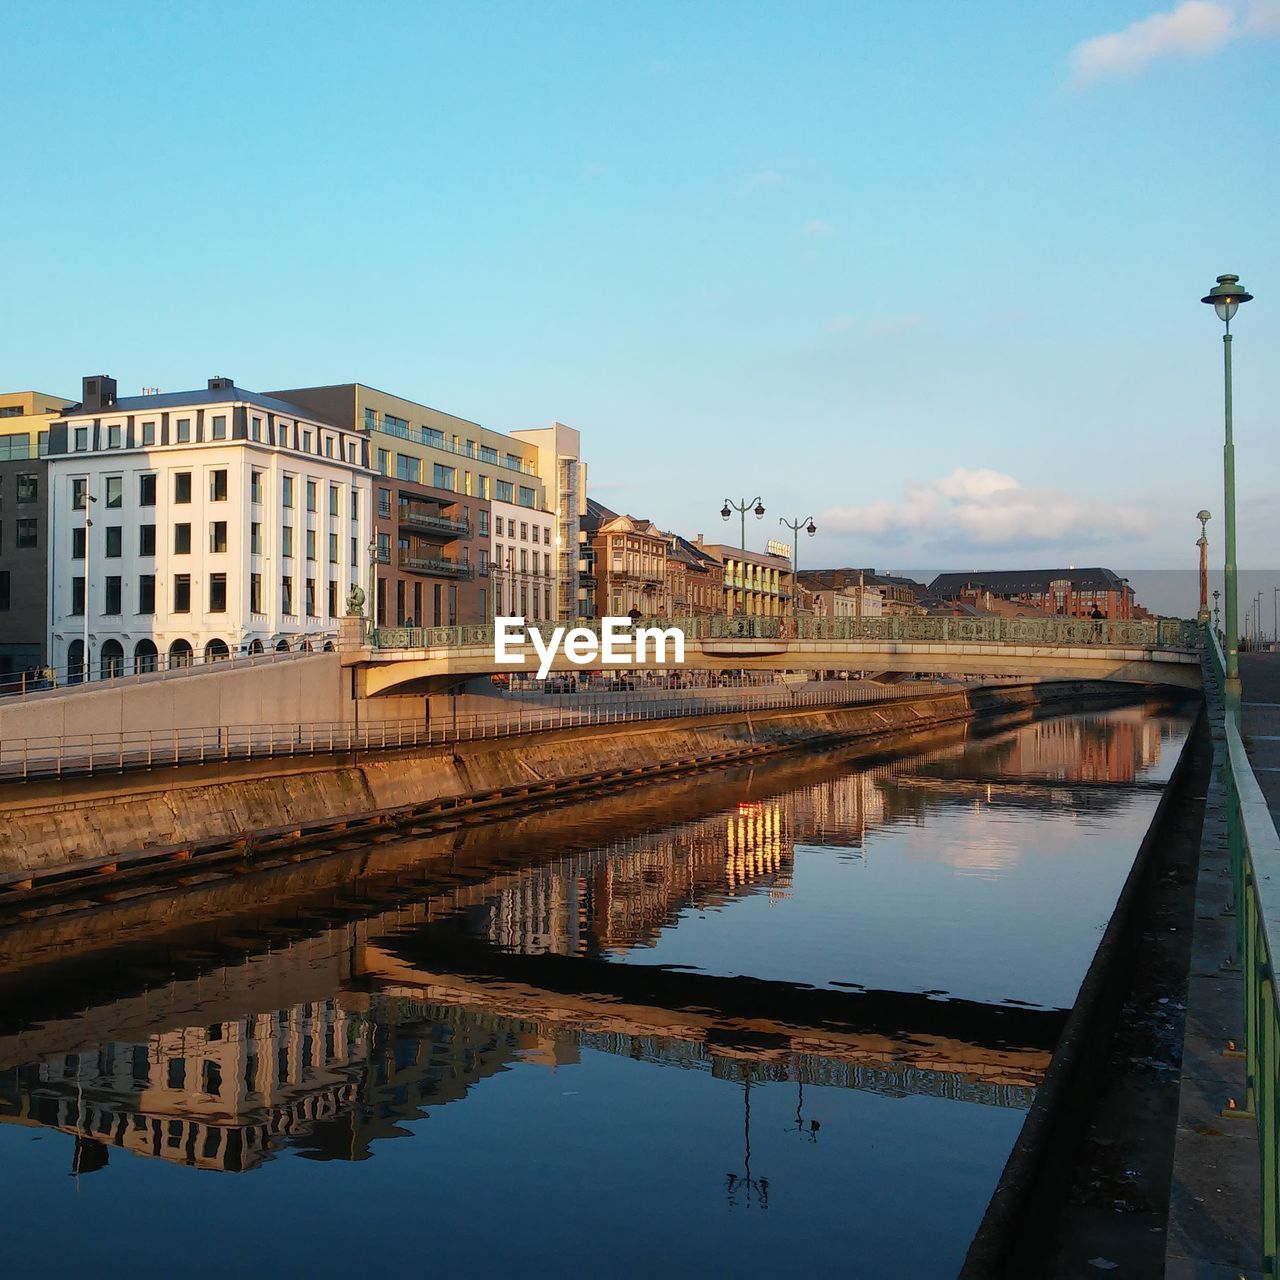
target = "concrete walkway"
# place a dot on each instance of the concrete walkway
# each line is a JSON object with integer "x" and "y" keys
{"x": 1215, "y": 1198}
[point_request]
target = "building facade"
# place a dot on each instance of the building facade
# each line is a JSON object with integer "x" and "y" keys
{"x": 628, "y": 557}
{"x": 24, "y": 517}
{"x": 1072, "y": 593}
{"x": 757, "y": 584}
{"x": 522, "y": 558}
{"x": 204, "y": 523}
{"x": 695, "y": 579}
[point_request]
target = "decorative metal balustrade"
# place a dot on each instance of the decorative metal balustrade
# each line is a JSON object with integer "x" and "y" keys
{"x": 1156, "y": 633}
{"x": 1254, "y": 851}
{"x": 437, "y": 566}
{"x": 431, "y": 522}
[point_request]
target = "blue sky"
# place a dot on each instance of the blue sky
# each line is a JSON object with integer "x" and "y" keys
{"x": 927, "y": 271}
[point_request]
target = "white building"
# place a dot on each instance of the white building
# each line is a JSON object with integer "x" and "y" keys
{"x": 523, "y": 562}
{"x": 222, "y": 522}
{"x": 845, "y": 603}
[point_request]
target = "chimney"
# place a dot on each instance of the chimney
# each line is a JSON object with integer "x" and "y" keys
{"x": 221, "y": 384}
{"x": 98, "y": 392}
{"x": 697, "y": 542}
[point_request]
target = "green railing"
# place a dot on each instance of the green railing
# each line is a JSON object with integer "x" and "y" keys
{"x": 1156, "y": 633}
{"x": 1254, "y": 849}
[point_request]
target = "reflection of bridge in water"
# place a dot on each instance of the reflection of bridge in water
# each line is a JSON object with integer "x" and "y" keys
{"x": 436, "y": 992}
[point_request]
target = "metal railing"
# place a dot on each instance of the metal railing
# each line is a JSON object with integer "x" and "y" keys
{"x": 1154, "y": 633}
{"x": 438, "y": 565}
{"x": 108, "y": 671}
{"x": 430, "y": 521}
{"x": 434, "y": 440}
{"x": 1254, "y": 851}
{"x": 29, "y": 759}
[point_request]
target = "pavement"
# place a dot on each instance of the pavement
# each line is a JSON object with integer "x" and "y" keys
{"x": 1215, "y": 1199}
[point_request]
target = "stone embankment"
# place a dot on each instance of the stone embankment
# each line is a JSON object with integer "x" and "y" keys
{"x": 59, "y": 823}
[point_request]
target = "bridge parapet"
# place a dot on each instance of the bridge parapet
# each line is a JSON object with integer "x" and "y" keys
{"x": 1154, "y": 633}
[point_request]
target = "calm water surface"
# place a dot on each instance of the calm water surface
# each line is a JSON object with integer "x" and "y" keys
{"x": 772, "y": 1021}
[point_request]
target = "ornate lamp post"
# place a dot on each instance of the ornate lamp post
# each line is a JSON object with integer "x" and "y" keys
{"x": 1216, "y": 594}
{"x": 795, "y": 526}
{"x": 1225, "y": 298}
{"x": 1203, "y": 543}
{"x": 373, "y": 585}
{"x": 755, "y": 506}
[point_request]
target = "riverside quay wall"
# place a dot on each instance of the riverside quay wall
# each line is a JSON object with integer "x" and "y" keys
{"x": 58, "y": 823}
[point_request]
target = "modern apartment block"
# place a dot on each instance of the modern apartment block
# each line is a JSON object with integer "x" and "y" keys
{"x": 24, "y": 506}
{"x": 559, "y": 462}
{"x": 211, "y": 522}
{"x": 423, "y": 453}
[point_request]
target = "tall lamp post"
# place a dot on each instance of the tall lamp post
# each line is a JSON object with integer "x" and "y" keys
{"x": 1275, "y": 616}
{"x": 1216, "y": 594}
{"x": 795, "y": 526}
{"x": 373, "y": 585}
{"x": 1257, "y": 620}
{"x": 755, "y": 506}
{"x": 89, "y": 500}
{"x": 1225, "y": 298}
{"x": 1203, "y": 543}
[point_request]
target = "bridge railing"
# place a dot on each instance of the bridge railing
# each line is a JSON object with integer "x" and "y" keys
{"x": 29, "y": 759}
{"x": 1254, "y": 849}
{"x": 1147, "y": 633}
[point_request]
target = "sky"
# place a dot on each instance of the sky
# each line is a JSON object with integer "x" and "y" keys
{"x": 928, "y": 272}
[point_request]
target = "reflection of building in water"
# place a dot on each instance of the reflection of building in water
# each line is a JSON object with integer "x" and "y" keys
{"x": 1087, "y": 749}
{"x": 622, "y": 895}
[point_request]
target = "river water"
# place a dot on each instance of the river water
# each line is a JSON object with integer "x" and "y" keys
{"x": 776, "y": 1020}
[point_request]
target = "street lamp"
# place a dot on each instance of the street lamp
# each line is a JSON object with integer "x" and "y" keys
{"x": 1203, "y": 543}
{"x": 1225, "y": 298}
{"x": 755, "y": 506}
{"x": 373, "y": 585}
{"x": 795, "y": 526}
{"x": 1216, "y": 594}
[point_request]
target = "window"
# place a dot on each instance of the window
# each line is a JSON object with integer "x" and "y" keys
{"x": 182, "y": 593}
{"x": 113, "y": 439}
{"x": 147, "y": 593}
{"x": 184, "y": 430}
{"x": 286, "y": 595}
{"x": 333, "y": 500}
{"x": 4, "y": 590}
{"x": 111, "y": 600}
{"x": 149, "y": 438}
{"x": 524, "y": 531}
{"x": 182, "y": 486}
{"x": 328, "y": 446}
{"x": 484, "y": 560}
{"x": 311, "y": 544}
{"x": 255, "y": 429}
{"x": 487, "y": 454}
{"x": 217, "y": 593}
{"x": 524, "y": 561}
{"x": 115, "y": 491}
{"x": 407, "y": 468}
{"x": 218, "y": 486}
{"x": 351, "y": 450}
{"x": 78, "y": 490}
{"x": 384, "y": 462}
{"x": 255, "y": 593}
{"x": 484, "y": 523}
{"x": 25, "y": 533}
{"x": 498, "y": 526}
{"x": 288, "y": 491}
{"x": 443, "y": 477}
{"x": 482, "y": 486}
{"x": 384, "y": 548}
{"x": 115, "y": 537}
{"x": 510, "y": 460}
{"x": 534, "y": 531}
{"x": 526, "y": 496}
{"x": 77, "y": 597}
{"x": 219, "y": 427}
{"x": 355, "y": 504}
{"x": 28, "y": 489}
{"x": 311, "y": 495}
{"x": 255, "y": 486}
{"x": 333, "y": 548}
{"x": 181, "y": 539}
{"x": 218, "y": 535}
{"x": 255, "y": 539}
{"x": 306, "y": 442}
{"x": 333, "y": 599}
{"x": 286, "y": 542}
{"x": 311, "y": 597}
{"x": 77, "y": 543}
{"x": 147, "y": 491}
{"x": 82, "y": 439}
{"x": 355, "y": 552}
{"x": 546, "y": 564}
{"x": 503, "y": 490}
{"x": 384, "y": 504}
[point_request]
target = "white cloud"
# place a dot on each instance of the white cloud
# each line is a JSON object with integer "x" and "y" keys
{"x": 984, "y": 508}
{"x": 761, "y": 181}
{"x": 1194, "y": 29}
{"x": 1263, "y": 16}
{"x": 816, "y": 227}
{"x": 895, "y": 326}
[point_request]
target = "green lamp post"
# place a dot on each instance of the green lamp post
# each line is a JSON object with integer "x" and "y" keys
{"x": 1203, "y": 543}
{"x": 755, "y": 506}
{"x": 1225, "y": 298}
{"x": 795, "y": 526}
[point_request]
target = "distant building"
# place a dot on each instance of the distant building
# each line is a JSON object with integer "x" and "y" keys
{"x": 1072, "y": 593}
{"x": 756, "y": 583}
{"x": 25, "y": 417}
{"x": 628, "y": 558}
{"x": 695, "y": 579}
{"x": 897, "y": 595}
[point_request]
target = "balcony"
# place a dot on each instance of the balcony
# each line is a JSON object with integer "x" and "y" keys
{"x": 433, "y": 522}
{"x": 437, "y": 566}
{"x": 424, "y": 436}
